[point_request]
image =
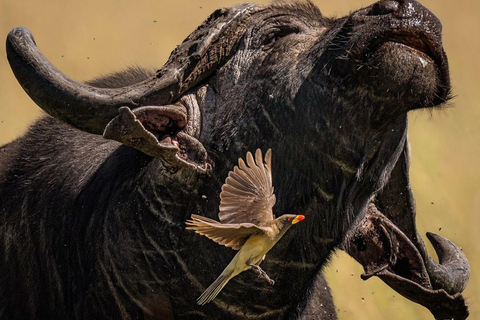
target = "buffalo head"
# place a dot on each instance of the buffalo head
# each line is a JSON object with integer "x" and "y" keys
{"x": 329, "y": 96}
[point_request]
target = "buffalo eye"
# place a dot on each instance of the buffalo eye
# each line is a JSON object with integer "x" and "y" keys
{"x": 277, "y": 34}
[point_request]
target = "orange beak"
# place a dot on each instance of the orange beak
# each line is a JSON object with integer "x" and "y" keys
{"x": 298, "y": 218}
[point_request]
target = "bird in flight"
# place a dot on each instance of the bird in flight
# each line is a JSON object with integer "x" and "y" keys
{"x": 246, "y": 222}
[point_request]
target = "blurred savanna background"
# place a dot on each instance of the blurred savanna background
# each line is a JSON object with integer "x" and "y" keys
{"x": 89, "y": 38}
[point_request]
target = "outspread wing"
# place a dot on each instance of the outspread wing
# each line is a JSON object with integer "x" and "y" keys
{"x": 247, "y": 194}
{"x": 227, "y": 234}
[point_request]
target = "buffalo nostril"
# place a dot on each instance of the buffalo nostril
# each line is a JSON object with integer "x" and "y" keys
{"x": 383, "y": 7}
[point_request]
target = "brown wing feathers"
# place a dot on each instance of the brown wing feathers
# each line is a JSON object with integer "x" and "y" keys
{"x": 247, "y": 195}
{"x": 229, "y": 235}
{"x": 246, "y": 203}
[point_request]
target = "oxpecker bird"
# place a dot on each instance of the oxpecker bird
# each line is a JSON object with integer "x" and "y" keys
{"x": 246, "y": 222}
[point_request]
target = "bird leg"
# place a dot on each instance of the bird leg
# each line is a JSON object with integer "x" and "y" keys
{"x": 261, "y": 273}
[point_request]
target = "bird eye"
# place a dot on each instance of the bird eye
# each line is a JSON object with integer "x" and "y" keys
{"x": 289, "y": 219}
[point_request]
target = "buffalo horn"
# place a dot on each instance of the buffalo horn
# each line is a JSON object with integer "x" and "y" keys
{"x": 453, "y": 270}
{"x": 91, "y": 108}
{"x": 85, "y": 107}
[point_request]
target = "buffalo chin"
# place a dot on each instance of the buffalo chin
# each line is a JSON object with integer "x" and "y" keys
{"x": 405, "y": 73}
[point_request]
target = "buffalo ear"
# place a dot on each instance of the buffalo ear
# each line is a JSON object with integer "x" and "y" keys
{"x": 157, "y": 132}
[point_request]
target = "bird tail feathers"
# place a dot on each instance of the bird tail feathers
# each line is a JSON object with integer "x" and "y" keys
{"x": 214, "y": 289}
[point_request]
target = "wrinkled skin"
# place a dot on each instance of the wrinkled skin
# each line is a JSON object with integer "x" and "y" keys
{"x": 94, "y": 229}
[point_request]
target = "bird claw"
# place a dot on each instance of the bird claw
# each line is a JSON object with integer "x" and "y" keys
{"x": 262, "y": 274}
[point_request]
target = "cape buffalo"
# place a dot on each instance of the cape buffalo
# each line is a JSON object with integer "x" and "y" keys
{"x": 94, "y": 197}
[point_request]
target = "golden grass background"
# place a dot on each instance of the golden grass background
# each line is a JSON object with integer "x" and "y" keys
{"x": 89, "y": 38}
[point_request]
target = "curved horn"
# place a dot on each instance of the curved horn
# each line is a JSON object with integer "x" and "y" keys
{"x": 83, "y": 106}
{"x": 453, "y": 270}
{"x": 91, "y": 108}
